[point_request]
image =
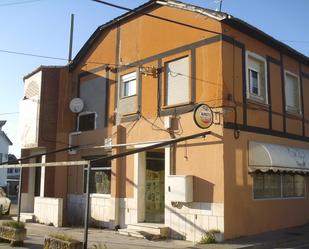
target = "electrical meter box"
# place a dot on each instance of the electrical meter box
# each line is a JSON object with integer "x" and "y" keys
{"x": 180, "y": 188}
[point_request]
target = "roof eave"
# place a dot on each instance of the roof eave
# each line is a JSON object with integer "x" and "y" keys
{"x": 6, "y": 137}
{"x": 265, "y": 38}
{"x": 82, "y": 52}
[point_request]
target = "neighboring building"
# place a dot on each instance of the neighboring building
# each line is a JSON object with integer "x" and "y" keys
{"x": 12, "y": 177}
{"x": 39, "y": 110}
{"x": 137, "y": 75}
{"x": 5, "y": 142}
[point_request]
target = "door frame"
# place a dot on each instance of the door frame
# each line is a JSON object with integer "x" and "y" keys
{"x": 140, "y": 180}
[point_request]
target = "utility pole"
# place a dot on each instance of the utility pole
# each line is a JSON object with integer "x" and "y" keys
{"x": 71, "y": 38}
{"x": 220, "y": 5}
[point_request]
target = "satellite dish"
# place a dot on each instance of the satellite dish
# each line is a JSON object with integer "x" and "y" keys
{"x": 76, "y": 105}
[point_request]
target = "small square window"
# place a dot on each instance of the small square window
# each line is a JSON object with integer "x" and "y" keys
{"x": 292, "y": 93}
{"x": 86, "y": 121}
{"x": 128, "y": 85}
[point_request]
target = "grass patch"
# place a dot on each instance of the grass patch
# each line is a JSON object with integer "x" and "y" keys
{"x": 99, "y": 246}
{"x": 209, "y": 237}
{"x": 13, "y": 224}
{"x": 64, "y": 237}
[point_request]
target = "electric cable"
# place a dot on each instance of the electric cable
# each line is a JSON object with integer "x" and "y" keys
{"x": 18, "y": 3}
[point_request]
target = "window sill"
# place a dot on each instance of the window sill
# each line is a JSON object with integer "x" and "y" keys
{"x": 280, "y": 198}
{"x": 291, "y": 114}
{"x": 127, "y": 97}
{"x": 255, "y": 102}
{"x": 177, "y": 105}
{"x": 105, "y": 196}
{"x": 129, "y": 113}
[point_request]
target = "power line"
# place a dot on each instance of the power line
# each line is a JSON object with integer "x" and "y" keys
{"x": 8, "y": 113}
{"x": 18, "y": 3}
{"x": 32, "y": 55}
{"x": 157, "y": 17}
{"x": 296, "y": 41}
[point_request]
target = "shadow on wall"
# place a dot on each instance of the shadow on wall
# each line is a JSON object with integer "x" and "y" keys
{"x": 205, "y": 191}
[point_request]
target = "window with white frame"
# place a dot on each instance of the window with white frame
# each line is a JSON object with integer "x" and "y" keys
{"x": 128, "y": 85}
{"x": 86, "y": 121}
{"x": 274, "y": 185}
{"x": 177, "y": 81}
{"x": 100, "y": 177}
{"x": 292, "y": 93}
{"x": 256, "y": 78}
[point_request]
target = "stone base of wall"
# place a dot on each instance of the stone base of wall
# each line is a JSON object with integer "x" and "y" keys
{"x": 189, "y": 221}
{"x": 48, "y": 210}
{"x": 101, "y": 210}
{"x": 128, "y": 212}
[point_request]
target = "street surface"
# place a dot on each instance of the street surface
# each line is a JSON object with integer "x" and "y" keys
{"x": 289, "y": 238}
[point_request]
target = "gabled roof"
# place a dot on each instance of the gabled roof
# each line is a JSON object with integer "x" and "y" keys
{"x": 219, "y": 16}
{"x": 6, "y": 137}
{"x": 2, "y": 123}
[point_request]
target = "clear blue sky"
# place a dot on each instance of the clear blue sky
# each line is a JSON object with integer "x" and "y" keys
{"x": 42, "y": 27}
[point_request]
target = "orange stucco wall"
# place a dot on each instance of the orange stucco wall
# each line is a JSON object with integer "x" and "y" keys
{"x": 242, "y": 214}
{"x": 140, "y": 38}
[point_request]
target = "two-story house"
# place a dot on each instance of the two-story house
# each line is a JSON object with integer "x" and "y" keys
{"x": 138, "y": 80}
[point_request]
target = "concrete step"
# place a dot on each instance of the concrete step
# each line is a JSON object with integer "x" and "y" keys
{"x": 132, "y": 233}
{"x": 25, "y": 217}
{"x": 150, "y": 229}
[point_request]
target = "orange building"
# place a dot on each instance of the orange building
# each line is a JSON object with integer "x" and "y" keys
{"x": 138, "y": 79}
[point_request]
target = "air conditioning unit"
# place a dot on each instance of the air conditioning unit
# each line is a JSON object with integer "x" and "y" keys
{"x": 73, "y": 141}
{"x": 180, "y": 188}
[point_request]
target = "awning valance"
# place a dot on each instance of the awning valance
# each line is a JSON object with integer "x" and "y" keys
{"x": 277, "y": 158}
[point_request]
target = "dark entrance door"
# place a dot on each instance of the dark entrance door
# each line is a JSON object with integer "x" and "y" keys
{"x": 154, "y": 193}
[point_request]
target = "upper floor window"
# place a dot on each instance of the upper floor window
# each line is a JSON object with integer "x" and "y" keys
{"x": 292, "y": 93}
{"x": 177, "y": 82}
{"x": 256, "y": 78}
{"x": 128, "y": 85}
{"x": 86, "y": 121}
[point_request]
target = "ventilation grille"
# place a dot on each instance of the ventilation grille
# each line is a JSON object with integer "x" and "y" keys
{"x": 32, "y": 90}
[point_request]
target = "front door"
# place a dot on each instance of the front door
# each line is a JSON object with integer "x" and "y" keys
{"x": 154, "y": 193}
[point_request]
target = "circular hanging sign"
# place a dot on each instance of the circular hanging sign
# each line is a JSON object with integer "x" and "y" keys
{"x": 203, "y": 116}
{"x": 76, "y": 105}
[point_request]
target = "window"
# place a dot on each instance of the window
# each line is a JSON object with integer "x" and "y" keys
{"x": 100, "y": 177}
{"x": 292, "y": 93}
{"x": 86, "y": 121}
{"x": 1, "y": 157}
{"x": 256, "y": 78}
{"x": 177, "y": 81}
{"x": 128, "y": 85}
{"x": 271, "y": 185}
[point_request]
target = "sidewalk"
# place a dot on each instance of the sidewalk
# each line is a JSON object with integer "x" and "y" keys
{"x": 288, "y": 238}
